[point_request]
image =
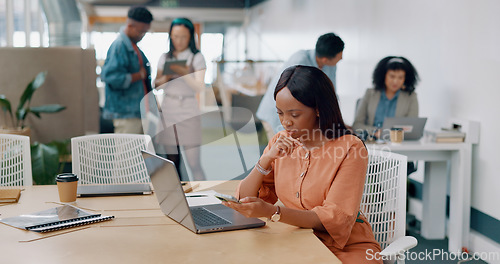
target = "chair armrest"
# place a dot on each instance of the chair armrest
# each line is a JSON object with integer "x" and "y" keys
{"x": 399, "y": 246}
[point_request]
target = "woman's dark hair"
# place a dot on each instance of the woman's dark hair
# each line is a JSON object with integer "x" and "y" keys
{"x": 395, "y": 63}
{"x": 189, "y": 25}
{"x": 311, "y": 87}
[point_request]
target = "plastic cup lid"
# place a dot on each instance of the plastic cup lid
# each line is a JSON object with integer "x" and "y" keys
{"x": 66, "y": 177}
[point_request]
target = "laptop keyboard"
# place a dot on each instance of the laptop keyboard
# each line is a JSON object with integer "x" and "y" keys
{"x": 203, "y": 217}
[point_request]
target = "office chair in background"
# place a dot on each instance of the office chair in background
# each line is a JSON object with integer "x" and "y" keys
{"x": 110, "y": 158}
{"x": 15, "y": 160}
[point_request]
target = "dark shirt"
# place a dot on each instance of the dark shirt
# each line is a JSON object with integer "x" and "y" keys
{"x": 385, "y": 108}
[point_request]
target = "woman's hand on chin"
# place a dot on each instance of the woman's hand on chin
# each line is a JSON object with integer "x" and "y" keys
{"x": 283, "y": 146}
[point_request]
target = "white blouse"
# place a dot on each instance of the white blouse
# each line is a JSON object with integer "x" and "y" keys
{"x": 198, "y": 61}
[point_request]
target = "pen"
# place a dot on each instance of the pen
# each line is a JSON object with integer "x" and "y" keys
{"x": 197, "y": 195}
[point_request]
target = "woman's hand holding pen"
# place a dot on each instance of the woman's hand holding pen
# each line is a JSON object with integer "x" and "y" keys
{"x": 283, "y": 146}
{"x": 249, "y": 187}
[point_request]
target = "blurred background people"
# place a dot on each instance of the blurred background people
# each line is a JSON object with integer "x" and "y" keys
{"x": 325, "y": 56}
{"x": 394, "y": 79}
{"x": 393, "y": 95}
{"x": 179, "y": 105}
{"x": 127, "y": 74}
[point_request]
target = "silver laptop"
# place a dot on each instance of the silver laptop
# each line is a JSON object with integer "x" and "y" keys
{"x": 173, "y": 202}
{"x": 412, "y": 126}
{"x": 113, "y": 189}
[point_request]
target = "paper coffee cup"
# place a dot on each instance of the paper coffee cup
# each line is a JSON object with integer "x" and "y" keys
{"x": 397, "y": 135}
{"x": 67, "y": 184}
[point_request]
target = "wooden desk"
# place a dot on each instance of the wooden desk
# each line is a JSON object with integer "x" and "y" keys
{"x": 443, "y": 162}
{"x": 141, "y": 233}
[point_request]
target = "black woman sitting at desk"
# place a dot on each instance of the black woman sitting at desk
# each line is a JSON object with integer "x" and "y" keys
{"x": 316, "y": 168}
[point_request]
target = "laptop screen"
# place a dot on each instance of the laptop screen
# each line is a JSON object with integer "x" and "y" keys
{"x": 168, "y": 189}
{"x": 412, "y": 126}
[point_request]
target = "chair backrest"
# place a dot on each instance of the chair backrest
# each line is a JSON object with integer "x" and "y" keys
{"x": 15, "y": 160}
{"x": 110, "y": 158}
{"x": 243, "y": 110}
{"x": 384, "y": 195}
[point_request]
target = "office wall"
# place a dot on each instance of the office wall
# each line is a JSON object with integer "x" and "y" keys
{"x": 71, "y": 82}
{"x": 453, "y": 44}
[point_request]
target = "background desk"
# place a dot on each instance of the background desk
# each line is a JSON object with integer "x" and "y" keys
{"x": 140, "y": 233}
{"x": 437, "y": 157}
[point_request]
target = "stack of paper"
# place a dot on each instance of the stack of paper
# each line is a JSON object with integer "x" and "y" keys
{"x": 446, "y": 136}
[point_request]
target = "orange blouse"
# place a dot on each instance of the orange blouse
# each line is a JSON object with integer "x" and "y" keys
{"x": 329, "y": 181}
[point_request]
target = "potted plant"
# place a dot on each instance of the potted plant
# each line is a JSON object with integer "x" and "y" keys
{"x": 24, "y": 108}
{"x": 45, "y": 158}
{"x": 48, "y": 160}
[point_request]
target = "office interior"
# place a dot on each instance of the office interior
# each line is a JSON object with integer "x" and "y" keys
{"x": 452, "y": 44}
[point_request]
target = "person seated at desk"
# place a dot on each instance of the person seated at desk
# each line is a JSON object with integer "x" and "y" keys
{"x": 316, "y": 168}
{"x": 394, "y": 79}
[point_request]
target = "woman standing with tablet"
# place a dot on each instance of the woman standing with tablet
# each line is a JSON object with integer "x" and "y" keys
{"x": 315, "y": 167}
{"x": 180, "y": 84}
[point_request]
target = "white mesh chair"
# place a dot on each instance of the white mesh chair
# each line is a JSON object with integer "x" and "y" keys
{"x": 110, "y": 158}
{"x": 15, "y": 161}
{"x": 384, "y": 203}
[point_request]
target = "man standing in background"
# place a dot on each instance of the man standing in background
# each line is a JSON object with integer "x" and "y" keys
{"x": 325, "y": 57}
{"x": 127, "y": 73}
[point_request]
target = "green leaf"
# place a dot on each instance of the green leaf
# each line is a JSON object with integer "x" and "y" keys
{"x": 5, "y": 103}
{"x": 52, "y": 108}
{"x": 30, "y": 89}
{"x": 6, "y": 107}
{"x": 62, "y": 146}
{"x": 44, "y": 163}
{"x": 21, "y": 115}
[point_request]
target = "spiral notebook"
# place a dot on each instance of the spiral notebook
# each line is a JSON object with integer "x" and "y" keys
{"x": 61, "y": 217}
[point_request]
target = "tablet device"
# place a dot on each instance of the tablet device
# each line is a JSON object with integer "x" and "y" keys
{"x": 168, "y": 63}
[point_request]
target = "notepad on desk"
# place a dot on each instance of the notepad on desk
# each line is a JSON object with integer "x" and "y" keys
{"x": 202, "y": 198}
{"x": 57, "y": 218}
{"x": 10, "y": 195}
